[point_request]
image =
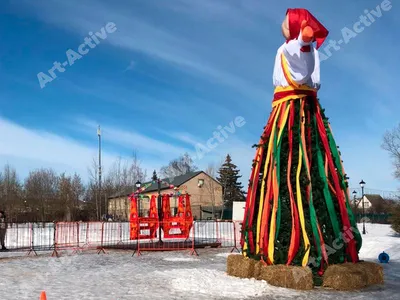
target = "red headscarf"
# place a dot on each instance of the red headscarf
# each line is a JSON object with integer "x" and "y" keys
{"x": 296, "y": 16}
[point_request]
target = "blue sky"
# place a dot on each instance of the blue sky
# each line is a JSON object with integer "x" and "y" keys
{"x": 173, "y": 71}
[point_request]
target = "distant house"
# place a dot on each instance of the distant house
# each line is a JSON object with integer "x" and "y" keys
{"x": 202, "y": 188}
{"x": 373, "y": 203}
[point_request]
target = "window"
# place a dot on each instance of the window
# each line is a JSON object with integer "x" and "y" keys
{"x": 200, "y": 183}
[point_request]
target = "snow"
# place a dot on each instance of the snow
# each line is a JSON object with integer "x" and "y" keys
{"x": 179, "y": 259}
{"x": 118, "y": 275}
{"x": 206, "y": 282}
{"x": 379, "y": 238}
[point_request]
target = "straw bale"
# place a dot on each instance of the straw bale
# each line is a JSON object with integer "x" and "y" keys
{"x": 257, "y": 269}
{"x": 352, "y": 276}
{"x": 373, "y": 271}
{"x": 292, "y": 277}
{"x": 240, "y": 266}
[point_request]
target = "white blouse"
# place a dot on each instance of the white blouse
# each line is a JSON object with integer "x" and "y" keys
{"x": 303, "y": 66}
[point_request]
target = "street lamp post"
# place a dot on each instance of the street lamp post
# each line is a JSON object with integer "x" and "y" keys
{"x": 160, "y": 214}
{"x": 138, "y": 184}
{"x": 354, "y": 201}
{"x": 362, "y": 183}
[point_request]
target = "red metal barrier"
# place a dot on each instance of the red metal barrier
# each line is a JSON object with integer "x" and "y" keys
{"x": 182, "y": 222}
{"x": 30, "y": 237}
{"x": 140, "y": 224}
{"x": 66, "y": 237}
{"x": 165, "y": 243}
{"x": 79, "y": 236}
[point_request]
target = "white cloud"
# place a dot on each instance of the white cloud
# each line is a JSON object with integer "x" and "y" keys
{"x": 239, "y": 59}
{"x": 240, "y": 151}
{"x": 204, "y": 54}
{"x": 27, "y": 149}
{"x": 132, "y": 140}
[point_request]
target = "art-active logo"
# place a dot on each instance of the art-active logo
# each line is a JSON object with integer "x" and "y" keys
{"x": 90, "y": 42}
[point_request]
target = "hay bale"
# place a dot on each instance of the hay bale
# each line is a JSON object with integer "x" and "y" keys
{"x": 240, "y": 266}
{"x": 373, "y": 271}
{"x": 257, "y": 269}
{"x": 350, "y": 276}
{"x": 344, "y": 277}
{"x": 292, "y": 277}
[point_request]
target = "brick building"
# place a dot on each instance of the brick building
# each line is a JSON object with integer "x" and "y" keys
{"x": 204, "y": 191}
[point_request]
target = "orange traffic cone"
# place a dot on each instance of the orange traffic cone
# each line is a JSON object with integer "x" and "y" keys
{"x": 43, "y": 296}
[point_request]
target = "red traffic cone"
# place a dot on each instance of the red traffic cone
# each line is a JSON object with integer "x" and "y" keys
{"x": 43, "y": 296}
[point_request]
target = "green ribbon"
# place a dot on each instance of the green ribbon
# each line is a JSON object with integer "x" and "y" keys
{"x": 337, "y": 159}
{"x": 327, "y": 195}
{"x": 313, "y": 215}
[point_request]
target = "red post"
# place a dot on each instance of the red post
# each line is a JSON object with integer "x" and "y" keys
{"x": 87, "y": 236}
{"x": 137, "y": 240}
{"x": 31, "y": 240}
{"x": 55, "y": 253}
{"x": 234, "y": 237}
{"x": 76, "y": 250}
{"x": 218, "y": 237}
{"x": 193, "y": 250}
{"x": 120, "y": 234}
{"x": 102, "y": 239}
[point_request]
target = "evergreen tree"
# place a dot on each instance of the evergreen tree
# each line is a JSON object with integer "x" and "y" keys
{"x": 228, "y": 177}
{"x": 154, "y": 177}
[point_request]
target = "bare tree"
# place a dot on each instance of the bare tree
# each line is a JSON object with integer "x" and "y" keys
{"x": 10, "y": 192}
{"x": 391, "y": 143}
{"x": 70, "y": 190}
{"x": 92, "y": 192}
{"x": 211, "y": 185}
{"x": 41, "y": 189}
{"x": 123, "y": 175}
{"x": 64, "y": 197}
{"x": 78, "y": 190}
{"x": 179, "y": 166}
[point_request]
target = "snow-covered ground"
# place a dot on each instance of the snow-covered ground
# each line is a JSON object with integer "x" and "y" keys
{"x": 172, "y": 275}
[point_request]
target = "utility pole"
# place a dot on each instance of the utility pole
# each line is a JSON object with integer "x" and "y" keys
{"x": 99, "y": 135}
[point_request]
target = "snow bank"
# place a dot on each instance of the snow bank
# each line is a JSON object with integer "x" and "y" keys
{"x": 379, "y": 238}
{"x": 211, "y": 283}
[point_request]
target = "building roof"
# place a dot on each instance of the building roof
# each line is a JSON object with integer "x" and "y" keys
{"x": 378, "y": 200}
{"x": 175, "y": 181}
{"x": 375, "y": 199}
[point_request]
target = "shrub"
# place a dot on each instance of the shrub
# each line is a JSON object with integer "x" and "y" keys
{"x": 395, "y": 218}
